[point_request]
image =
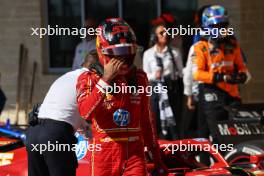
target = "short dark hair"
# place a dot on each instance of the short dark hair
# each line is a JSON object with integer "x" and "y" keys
{"x": 92, "y": 53}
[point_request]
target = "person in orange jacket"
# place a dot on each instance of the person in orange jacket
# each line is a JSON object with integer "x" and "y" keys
{"x": 218, "y": 66}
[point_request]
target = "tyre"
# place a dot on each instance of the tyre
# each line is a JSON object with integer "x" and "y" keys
{"x": 242, "y": 152}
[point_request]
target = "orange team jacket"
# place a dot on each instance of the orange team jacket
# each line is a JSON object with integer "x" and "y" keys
{"x": 225, "y": 59}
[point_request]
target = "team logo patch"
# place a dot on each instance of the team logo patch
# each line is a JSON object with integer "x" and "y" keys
{"x": 121, "y": 117}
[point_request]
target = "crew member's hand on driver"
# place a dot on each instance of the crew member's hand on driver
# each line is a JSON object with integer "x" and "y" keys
{"x": 112, "y": 68}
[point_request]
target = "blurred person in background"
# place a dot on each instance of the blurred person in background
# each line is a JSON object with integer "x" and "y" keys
{"x": 193, "y": 120}
{"x": 176, "y": 42}
{"x": 87, "y": 45}
{"x": 2, "y": 98}
{"x": 170, "y": 21}
{"x": 163, "y": 66}
{"x": 192, "y": 92}
{"x": 56, "y": 122}
{"x": 218, "y": 66}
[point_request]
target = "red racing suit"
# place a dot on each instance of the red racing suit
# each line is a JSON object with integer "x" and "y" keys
{"x": 122, "y": 147}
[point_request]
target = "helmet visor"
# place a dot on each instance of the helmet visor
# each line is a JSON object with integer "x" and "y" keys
{"x": 120, "y": 50}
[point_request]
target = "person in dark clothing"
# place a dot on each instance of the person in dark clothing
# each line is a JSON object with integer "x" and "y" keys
{"x": 219, "y": 67}
{"x": 50, "y": 139}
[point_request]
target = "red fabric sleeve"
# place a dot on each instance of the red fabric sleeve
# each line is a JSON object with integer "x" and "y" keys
{"x": 90, "y": 93}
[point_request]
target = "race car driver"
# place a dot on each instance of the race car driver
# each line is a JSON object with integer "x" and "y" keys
{"x": 218, "y": 66}
{"x": 121, "y": 122}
